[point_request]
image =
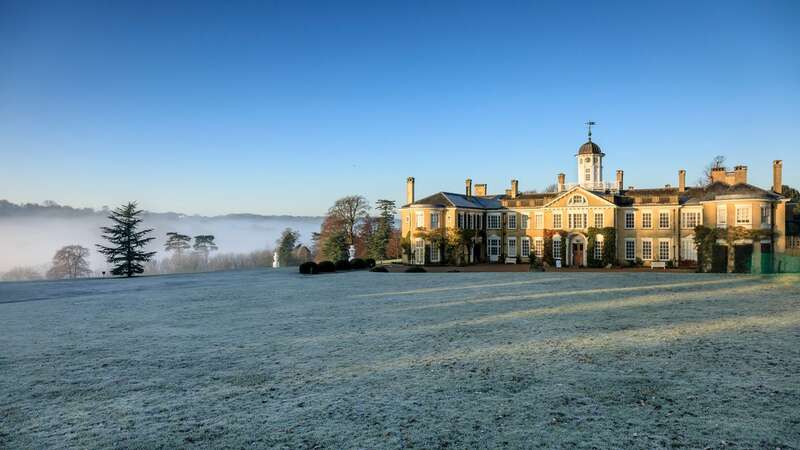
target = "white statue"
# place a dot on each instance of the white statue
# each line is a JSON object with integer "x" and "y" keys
{"x": 275, "y": 262}
{"x": 352, "y": 252}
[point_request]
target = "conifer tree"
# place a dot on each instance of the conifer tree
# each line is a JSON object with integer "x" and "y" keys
{"x": 177, "y": 243}
{"x": 126, "y": 252}
{"x": 286, "y": 245}
{"x": 204, "y": 244}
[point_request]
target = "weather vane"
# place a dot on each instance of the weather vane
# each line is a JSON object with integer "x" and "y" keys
{"x": 589, "y": 125}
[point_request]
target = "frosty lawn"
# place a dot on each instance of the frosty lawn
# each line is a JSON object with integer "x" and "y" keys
{"x": 276, "y": 359}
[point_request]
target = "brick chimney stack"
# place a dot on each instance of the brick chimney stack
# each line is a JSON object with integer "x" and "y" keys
{"x": 480, "y": 190}
{"x": 468, "y": 182}
{"x": 514, "y": 188}
{"x": 739, "y": 174}
{"x": 561, "y": 182}
{"x": 410, "y": 190}
{"x": 777, "y": 176}
{"x": 681, "y": 180}
{"x": 620, "y": 178}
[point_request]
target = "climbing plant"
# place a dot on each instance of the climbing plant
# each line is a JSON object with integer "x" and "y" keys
{"x": 609, "y": 254}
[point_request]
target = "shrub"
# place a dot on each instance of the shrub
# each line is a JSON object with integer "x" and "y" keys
{"x": 370, "y": 262}
{"x": 326, "y": 267}
{"x": 379, "y": 269}
{"x": 343, "y": 264}
{"x": 415, "y": 269}
{"x": 358, "y": 263}
{"x": 309, "y": 268}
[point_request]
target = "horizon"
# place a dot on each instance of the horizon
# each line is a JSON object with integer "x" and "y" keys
{"x": 248, "y": 108}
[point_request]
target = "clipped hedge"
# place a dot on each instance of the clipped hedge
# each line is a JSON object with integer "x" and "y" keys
{"x": 358, "y": 264}
{"x": 309, "y": 268}
{"x": 326, "y": 267}
{"x": 343, "y": 264}
{"x": 370, "y": 262}
{"x": 380, "y": 269}
{"x": 415, "y": 269}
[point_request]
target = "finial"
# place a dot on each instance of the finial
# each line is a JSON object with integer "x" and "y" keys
{"x": 589, "y": 125}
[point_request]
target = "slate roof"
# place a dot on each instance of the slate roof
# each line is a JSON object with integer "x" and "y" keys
{"x": 449, "y": 199}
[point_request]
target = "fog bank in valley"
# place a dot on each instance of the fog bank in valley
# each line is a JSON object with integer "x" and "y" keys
{"x": 30, "y": 234}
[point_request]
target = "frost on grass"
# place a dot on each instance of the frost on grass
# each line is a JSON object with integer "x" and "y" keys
{"x": 274, "y": 359}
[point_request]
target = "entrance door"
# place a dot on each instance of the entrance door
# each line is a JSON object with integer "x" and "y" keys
{"x": 493, "y": 247}
{"x": 766, "y": 258}
{"x": 577, "y": 254}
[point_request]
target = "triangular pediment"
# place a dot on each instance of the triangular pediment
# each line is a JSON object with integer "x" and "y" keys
{"x": 563, "y": 200}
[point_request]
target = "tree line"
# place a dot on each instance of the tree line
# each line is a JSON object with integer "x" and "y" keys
{"x": 350, "y": 222}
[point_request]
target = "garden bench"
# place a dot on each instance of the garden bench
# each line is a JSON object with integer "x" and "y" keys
{"x": 511, "y": 260}
{"x": 658, "y": 264}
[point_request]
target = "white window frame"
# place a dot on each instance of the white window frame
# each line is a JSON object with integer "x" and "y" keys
{"x": 557, "y": 248}
{"x": 668, "y": 247}
{"x": 435, "y": 253}
{"x": 602, "y": 216}
{"x": 560, "y": 223}
{"x": 525, "y": 247}
{"x": 599, "y": 242}
{"x": 632, "y": 242}
{"x": 524, "y": 223}
{"x": 632, "y": 215}
{"x": 647, "y": 256}
{"x": 577, "y": 199}
{"x": 539, "y": 221}
{"x": 574, "y": 223}
{"x": 511, "y": 250}
{"x": 436, "y": 216}
{"x": 661, "y": 215}
{"x": 419, "y": 251}
{"x": 749, "y": 210}
{"x": 648, "y": 224}
{"x": 538, "y": 247}
{"x": 766, "y": 219}
{"x": 688, "y": 249}
{"x": 493, "y": 244}
{"x": 492, "y": 218}
{"x": 696, "y": 216}
{"x": 511, "y": 222}
{"x": 722, "y": 213}
{"x": 420, "y": 219}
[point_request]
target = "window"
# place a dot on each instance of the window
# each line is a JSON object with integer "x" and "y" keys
{"x": 460, "y": 221}
{"x": 512, "y": 221}
{"x": 435, "y": 252}
{"x": 538, "y": 247}
{"x": 766, "y": 216}
{"x": 557, "y": 220}
{"x": 494, "y": 246}
{"x": 434, "y": 220}
{"x": 598, "y": 247}
{"x": 688, "y": 249}
{"x": 479, "y": 220}
{"x": 408, "y": 218}
{"x": 647, "y": 219}
{"x": 629, "y": 219}
{"x": 743, "y": 215}
{"x": 588, "y": 175}
{"x": 420, "y": 219}
{"x": 577, "y": 199}
{"x": 526, "y": 247}
{"x": 722, "y": 216}
{"x": 577, "y": 220}
{"x": 557, "y": 247}
{"x": 598, "y": 220}
{"x": 663, "y": 250}
{"x": 493, "y": 221}
{"x": 511, "y": 246}
{"x": 523, "y": 221}
{"x": 630, "y": 249}
{"x": 419, "y": 252}
{"x": 690, "y": 219}
{"x": 647, "y": 249}
{"x": 539, "y": 221}
{"x": 663, "y": 219}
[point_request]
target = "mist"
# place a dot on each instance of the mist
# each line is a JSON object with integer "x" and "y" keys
{"x": 30, "y": 234}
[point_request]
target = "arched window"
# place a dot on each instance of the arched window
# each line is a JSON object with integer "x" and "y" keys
{"x": 577, "y": 200}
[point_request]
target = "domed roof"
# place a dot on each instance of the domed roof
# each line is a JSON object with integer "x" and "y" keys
{"x": 590, "y": 148}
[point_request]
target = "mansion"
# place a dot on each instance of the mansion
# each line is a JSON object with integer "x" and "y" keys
{"x": 574, "y": 224}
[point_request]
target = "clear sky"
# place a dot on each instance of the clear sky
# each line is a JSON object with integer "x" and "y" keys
{"x": 282, "y": 107}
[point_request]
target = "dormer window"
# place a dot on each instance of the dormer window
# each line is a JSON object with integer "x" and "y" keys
{"x": 577, "y": 200}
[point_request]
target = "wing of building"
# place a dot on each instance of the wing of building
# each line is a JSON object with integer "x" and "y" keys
{"x": 593, "y": 222}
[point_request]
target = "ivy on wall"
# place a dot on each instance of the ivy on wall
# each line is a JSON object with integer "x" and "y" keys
{"x": 609, "y": 255}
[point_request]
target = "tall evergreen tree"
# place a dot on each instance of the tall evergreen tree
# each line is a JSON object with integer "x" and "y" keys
{"x": 126, "y": 252}
{"x": 379, "y": 241}
{"x": 204, "y": 244}
{"x": 286, "y": 244}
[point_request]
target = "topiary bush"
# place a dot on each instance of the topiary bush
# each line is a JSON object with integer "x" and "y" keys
{"x": 358, "y": 264}
{"x": 343, "y": 264}
{"x": 326, "y": 267}
{"x": 379, "y": 269}
{"x": 415, "y": 269}
{"x": 309, "y": 268}
{"x": 370, "y": 262}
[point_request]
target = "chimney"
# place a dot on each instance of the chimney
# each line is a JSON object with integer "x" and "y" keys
{"x": 739, "y": 174}
{"x": 561, "y": 182}
{"x": 514, "y": 188}
{"x": 777, "y": 176}
{"x": 410, "y": 190}
{"x": 718, "y": 174}
{"x": 480, "y": 190}
{"x": 681, "y": 180}
{"x": 620, "y": 177}
{"x": 469, "y": 187}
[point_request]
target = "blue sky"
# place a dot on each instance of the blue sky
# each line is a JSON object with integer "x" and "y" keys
{"x": 282, "y": 107}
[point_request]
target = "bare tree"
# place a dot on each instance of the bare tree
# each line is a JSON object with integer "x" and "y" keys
{"x": 717, "y": 162}
{"x": 70, "y": 262}
{"x": 551, "y": 188}
{"x": 350, "y": 211}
